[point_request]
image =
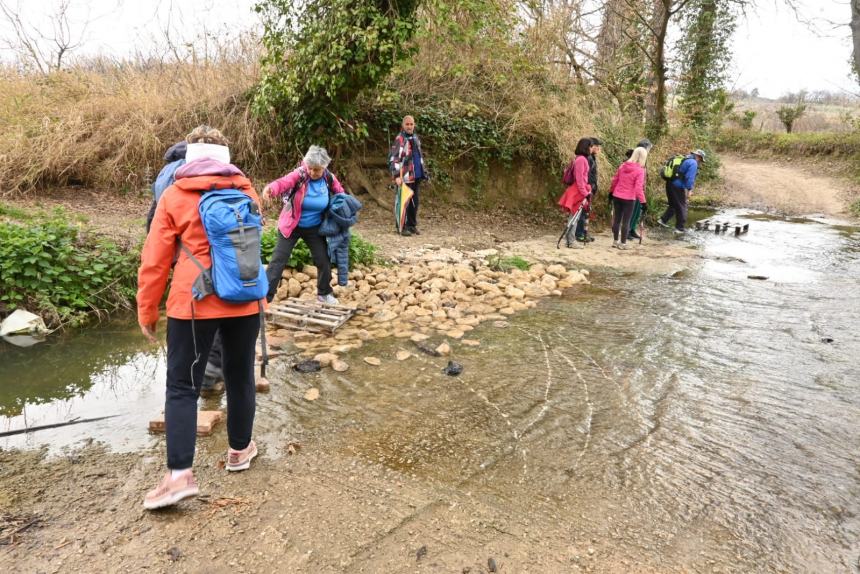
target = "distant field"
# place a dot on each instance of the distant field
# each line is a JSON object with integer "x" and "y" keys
{"x": 818, "y": 117}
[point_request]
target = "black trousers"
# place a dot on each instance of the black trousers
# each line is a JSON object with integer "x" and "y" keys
{"x": 412, "y": 206}
{"x": 621, "y": 219}
{"x": 188, "y": 345}
{"x": 677, "y": 199}
{"x": 281, "y": 256}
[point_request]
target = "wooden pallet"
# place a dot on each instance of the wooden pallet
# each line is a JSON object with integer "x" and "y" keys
{"x": 312, "y": 316}
{"x": 206, "y": 421}
{"x": 722, "y": 226}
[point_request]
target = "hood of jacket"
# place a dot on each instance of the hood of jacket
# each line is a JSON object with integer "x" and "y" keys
{"x": 206, "y": 166}
{"x": 629, "y": 168}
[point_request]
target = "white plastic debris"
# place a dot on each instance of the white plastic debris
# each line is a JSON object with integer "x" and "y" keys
{"x": 22, "y": 322}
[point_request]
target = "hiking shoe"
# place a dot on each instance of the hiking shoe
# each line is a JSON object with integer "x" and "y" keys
{"x": 679, "y": 232}
{"x": 171, "y": 491}
{"x": 328, "y": 299}
{"x": 616, "y": 243}
{"x": 589, "y": 238}
{"x": 633, "y": 235}
{"x": 661, "y": 223}
{"x": 623, "y": 246}
{"x": 576, "y": 245}
{"x": 240, "y": 459}
{"x": 405, "y": 233}
{"x": 581, "y": 238}
{"x": 414, "y": 231}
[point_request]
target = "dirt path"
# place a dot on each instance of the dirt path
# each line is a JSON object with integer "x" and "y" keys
{"x": 787, "y": 188}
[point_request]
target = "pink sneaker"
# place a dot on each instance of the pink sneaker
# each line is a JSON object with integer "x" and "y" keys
{"x": 241, "y": 459}
{"x": 171, "y": 491}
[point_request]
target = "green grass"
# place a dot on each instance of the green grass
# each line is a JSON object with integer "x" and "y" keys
{"x": 499, "y": 263}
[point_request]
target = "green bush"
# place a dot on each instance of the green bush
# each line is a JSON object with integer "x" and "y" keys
{"x": 49, "y": 268}
{"x": 361, "y": 252}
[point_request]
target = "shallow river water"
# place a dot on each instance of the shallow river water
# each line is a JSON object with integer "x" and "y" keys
{"x": 705, "y": 421}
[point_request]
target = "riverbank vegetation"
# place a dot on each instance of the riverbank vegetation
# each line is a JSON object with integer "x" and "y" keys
{"x": 52, "y": 266}
{"x": 492, "y": 82}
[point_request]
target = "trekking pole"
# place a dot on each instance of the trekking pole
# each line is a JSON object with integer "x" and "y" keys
{"x": 571, "y": 221}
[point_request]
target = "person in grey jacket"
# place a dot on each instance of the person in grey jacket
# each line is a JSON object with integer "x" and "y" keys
{"x": 342, "y": 214}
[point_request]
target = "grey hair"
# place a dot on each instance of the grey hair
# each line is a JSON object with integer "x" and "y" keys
{"x": 206, "y": 134}
{"x": 317, "y": 157}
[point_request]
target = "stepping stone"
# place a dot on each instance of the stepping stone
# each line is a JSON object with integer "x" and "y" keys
{"x": 206, "y": 421}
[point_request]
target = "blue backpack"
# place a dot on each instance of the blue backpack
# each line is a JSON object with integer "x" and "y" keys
{"x": 233, "y": 226}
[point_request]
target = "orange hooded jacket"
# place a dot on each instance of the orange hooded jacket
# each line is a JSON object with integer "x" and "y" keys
{"x": 177, "y": 218}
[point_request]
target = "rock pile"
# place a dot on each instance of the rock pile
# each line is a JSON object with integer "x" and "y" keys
{"x": 414, "y": 300}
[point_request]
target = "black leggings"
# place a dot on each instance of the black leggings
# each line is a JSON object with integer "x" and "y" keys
{"x": 281, "y": 256}
{"x": 187, "y": 350}
{"x": 621, "y": 219}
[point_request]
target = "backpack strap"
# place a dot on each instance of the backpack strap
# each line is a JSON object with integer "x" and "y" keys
{"x": 303, "y": 177}
{"x": 202, "y": 286}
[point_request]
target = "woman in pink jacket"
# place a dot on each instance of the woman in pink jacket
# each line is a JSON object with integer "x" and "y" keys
{"x": 628, "y": 185}
{"x": 306, "y": 192}
{"x": 578, "y": 191}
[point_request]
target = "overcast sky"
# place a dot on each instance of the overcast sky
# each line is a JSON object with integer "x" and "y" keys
{"x": 772, "y": 50}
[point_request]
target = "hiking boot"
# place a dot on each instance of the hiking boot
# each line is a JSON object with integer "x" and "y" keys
{"x": 661, "y": 223}
{"x": 171, "y": 491}
{"x": 240, "y": 459}
{"x": 414, "y": 231}
{"x": 616, "y": 243}
{"x": 633, "y": 235}
{"x": 623, "y": 246}
{"x": 679, "y": 232}
{"x": 211, "y": 387}
{"x": 406, "y": 233}
{"x": 581, "y": 238}
{"x": 329, "y": 299}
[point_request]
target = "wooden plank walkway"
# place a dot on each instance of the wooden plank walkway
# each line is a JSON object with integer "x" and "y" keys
{"x": 305, "y": 315}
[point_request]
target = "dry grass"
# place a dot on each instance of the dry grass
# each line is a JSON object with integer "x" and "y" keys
{"x": 818, "y": 117}
{"x": 102, "y": 124}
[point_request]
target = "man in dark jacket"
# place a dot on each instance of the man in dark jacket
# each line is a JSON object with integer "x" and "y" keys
{"x": 174, "y": 158}
{"x": 582, "y": 224}
{"x": 678, "y": 190}
{"x": 406, "y": 165}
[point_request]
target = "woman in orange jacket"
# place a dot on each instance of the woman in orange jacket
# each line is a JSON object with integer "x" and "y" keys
{"x": 191, "y": 324}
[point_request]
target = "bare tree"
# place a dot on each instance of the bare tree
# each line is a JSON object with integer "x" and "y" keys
{"x": 44, "y": 50}
{"x": 855, "y": 33}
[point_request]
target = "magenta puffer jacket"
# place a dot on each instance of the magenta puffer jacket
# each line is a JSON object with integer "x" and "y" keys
{"x": 629, "y": 182}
